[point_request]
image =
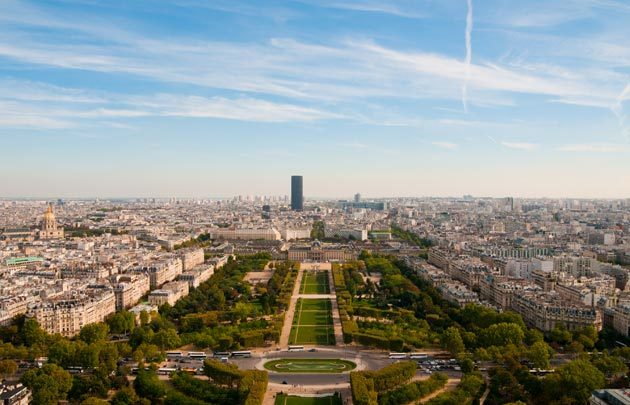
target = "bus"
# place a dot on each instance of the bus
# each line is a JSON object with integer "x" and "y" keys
{"x": 418, "y": 356}
{"x": 74, "y": 369}
{"x": 174, "y": 355}
{"x": 166, "y": 370}
{"x": 197, "y": 355}
{"x": 242, "y": 354}
{"x": 221, "y": 354}
{"x": 398, "y": 355}
{"x": 296, "y": 348}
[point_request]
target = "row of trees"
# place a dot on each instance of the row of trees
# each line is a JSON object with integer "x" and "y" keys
{"x": 389, "y": 385}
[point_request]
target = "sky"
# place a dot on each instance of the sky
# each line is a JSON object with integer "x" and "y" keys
{"x": 196, "y": 98}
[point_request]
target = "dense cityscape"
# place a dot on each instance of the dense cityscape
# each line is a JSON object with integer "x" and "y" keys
{"x": 256, "y": 299}
{"x": 315, "y": 202}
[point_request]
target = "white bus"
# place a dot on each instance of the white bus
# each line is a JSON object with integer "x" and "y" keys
{"x": 221, "y": 354}
{"x": 418, "y": 356}
{"x": 242, "y": 354}
{"x": 197, "y": 355}
{"x": 296, "y": 348}
{"x": 166, "y": 370}
{"x": 174, "y": 355}
{"x": 398, "y": 355}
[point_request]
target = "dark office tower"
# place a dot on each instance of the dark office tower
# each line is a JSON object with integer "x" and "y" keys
{"x": 297, "y": 193}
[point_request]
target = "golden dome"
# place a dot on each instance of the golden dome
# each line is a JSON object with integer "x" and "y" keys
{"x": 49, "y": 215}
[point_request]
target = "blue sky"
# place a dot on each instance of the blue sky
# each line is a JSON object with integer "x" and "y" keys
{"x": 386, "y": 98}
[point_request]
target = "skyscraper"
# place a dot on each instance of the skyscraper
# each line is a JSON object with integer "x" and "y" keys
{"x": 297, "y": 193}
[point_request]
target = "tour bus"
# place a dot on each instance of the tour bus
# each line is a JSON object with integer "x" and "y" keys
{"x": 296, "y": 348}
{"x": 75, "y": 369}
{"x": 174, "y": 355}
{"x": 197, "y": 355}
{"x": 166, "y": 370}
{"x": 242, "y": 354}
{"x": 398, "y": 355}
{"x": 418, "y": 356}
{"x": 221, "y": 354}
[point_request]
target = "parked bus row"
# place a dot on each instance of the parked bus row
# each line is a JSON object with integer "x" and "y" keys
{"x": 204, "y": 355}
{"x": 412, "y": 356}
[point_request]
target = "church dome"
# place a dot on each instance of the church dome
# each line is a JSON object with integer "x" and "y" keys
{"x": 49, "y": 216}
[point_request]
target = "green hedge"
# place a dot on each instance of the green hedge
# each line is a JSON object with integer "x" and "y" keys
{"x": 362, "y": 389}
{"x": 413, "y": 391}
{"x": 253, "y": 386}
{"x": 393, "y": 375}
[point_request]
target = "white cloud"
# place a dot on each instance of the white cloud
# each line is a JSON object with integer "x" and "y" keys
{"x": 595, "y": 148}
{"x": 468, "y": 59}
{"x": 445, "y": 145}
{"x": 520, "y": 145}
{"x": 36, "y": 112}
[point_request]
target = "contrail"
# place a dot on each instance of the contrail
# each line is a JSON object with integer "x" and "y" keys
{"x": 469, "y": 26}
{"x": 617, "y": 109}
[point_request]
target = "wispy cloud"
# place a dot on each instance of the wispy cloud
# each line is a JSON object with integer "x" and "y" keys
{"x": 617, "y": 109}
{"x": 520, "y": 145}
{"x": 36, "y": 112}
{"x": 468, "y": 34}
{"x": 445, "y": 145}
{"x": 392, "y": 7}
{"x": 595, "y": 148}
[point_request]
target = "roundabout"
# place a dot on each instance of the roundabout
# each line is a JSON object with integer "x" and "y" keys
{"x": 319, "y": 366}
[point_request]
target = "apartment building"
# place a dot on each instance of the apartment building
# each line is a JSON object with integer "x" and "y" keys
{"x": 69, "y": 312}
{"x": 129, "y": 288}
{"x": 191, "y": 258}
{"x": 163, "y": 271}
{"x": 170, "y": 293}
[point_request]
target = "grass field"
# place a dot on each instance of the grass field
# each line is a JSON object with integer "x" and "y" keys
{"x": 284, "y": 399}
{"x": 315, "y": 282}
{"x": 312, "y": 323}
{"x": 319, "y": 366}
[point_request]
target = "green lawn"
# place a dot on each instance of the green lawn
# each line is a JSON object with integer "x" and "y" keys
{"x": 315, "y": 282}
{"x": 321, "y": 366}
{"x": 314, "y": 304}
{"x": 312, "y": 323}
{"x": 313, "y": 335}
{"x": 313, "y": 318}
{"x": 283, "y": 399}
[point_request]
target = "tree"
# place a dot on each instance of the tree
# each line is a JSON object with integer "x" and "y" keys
{"x": 610, "y": 365}
{"x": 539, "y": 354}
{"x": 502, "y": 334}
{"x": 62, "y": 352}
{"x": 222, "y": 373}
{"x": 32, "y": 334}
{"x": 452, "y": 341}
{"x": 87, "y": 385}
{"x": 122, "y": 322}
{"x": 94, "y": 332}
{"x": 94, "y": 401}
{"x": 148, "y": 385}
{"x": 166, "y": 339}
{"x": 7, "y": 368}
{"x": 561, "y": 335}
{"x": 573, "y": 381}
{"x": 125, "y": 396}
{"x": 49, "y": 383}
{"x": 145, "y": 318}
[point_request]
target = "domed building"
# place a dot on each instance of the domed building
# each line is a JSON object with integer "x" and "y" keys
{"x": 49, "y": 229}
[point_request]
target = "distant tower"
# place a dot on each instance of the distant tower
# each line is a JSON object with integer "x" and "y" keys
{"x": 357, "y": 198}
{"x": 49, "y": 228}
{"x": 297, "y": 193}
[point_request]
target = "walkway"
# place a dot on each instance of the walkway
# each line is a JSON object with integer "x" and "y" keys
{"x": 335, "y": 311}
{"x": 288, "y": 316}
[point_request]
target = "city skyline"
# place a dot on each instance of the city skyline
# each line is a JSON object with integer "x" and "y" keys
{"x": 403, "y": 98}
